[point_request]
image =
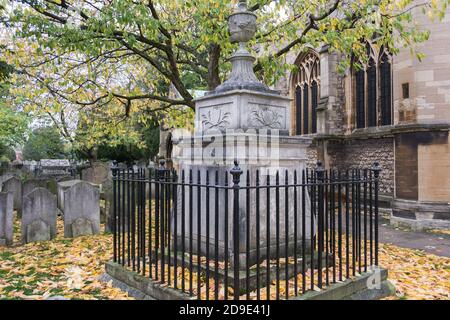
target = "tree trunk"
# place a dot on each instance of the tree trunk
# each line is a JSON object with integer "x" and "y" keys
{"x": 213, "y": 66}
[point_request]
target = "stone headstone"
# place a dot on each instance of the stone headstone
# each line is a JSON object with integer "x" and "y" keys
{"x": 61, "y": 187}
{"x": 98, "y": 173}
{"x": 14, "y": 185}
{"x": 3, "y": 178}
{"x": 38, "y": 230}
{"x": 39, "y": 216}
{"x": 81, "y": 227}
{"x": 52, "y": 185}
{"x": 32, "y": 184}
{"x": 6, "y": 218}
{"x": 81, "y": 209}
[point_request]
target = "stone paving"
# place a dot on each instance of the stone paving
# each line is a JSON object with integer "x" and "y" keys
{"x": 434, "y": 243}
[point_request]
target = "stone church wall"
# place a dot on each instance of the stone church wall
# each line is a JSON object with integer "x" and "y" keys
{"x": 362, "y": 154}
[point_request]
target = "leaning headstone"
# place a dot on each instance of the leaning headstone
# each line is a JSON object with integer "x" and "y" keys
{"x": 81, "y": 209}
{"x": 14, "y": 185}
{"x": 6, "y": 219}
{"x": 39, "y": 216}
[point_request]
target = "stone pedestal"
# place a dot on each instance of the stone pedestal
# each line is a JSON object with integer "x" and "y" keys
{"x": 242, "y": 110}
{"x": 290, "y": 156}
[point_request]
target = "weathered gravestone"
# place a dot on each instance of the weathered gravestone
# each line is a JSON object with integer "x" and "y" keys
{"x": 14, "y": 185}
{"x": 98, "y": 173}
{"x": 39, "y": 216}
{"x": 81, "y": 209}
{"x": 6, "y": 218}
{"x": 3, "y": 178}
{"x": 52, "y": 185}
{"x": 61, "y": 187}
{"x": 32, "y": 184}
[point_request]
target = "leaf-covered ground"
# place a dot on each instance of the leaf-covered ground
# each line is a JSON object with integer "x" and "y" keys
{"x": 70, "y": 268}
{"x": 61, "y": 267}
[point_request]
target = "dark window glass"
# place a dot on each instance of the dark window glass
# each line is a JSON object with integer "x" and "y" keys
{"x": 314, "y": 105}
{"x": 305, "y": 109}
{"x": 360, "y": 114}
{"x": 405, "y": 89}
{"x": 372, "y": 95}
{"x": 385, "y": 93}
{"x": 298, "y": 110}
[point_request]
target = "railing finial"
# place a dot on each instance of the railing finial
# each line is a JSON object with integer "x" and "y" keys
{"x": 376, "y": 169}
{"x": 115, "y": 167}
{"x": 319, "y": 169}
{"x": 236, "y": 172}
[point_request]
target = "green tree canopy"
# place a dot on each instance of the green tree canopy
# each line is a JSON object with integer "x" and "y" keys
{"x": 131, "y": 52}
{"x": 44, "y": 143}
{"x": 144, "y": 146}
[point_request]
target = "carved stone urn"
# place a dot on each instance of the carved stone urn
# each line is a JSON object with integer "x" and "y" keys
{"x": 242, "y": 26}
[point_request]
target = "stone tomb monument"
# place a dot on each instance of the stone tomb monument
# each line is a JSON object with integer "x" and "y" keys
{"x": 81, "y": 209}
{"x": 39, "y": 216}
{"x": 14, "y": 185}
{"x": 6, "y": 218}
{"x": 243, "y": 120}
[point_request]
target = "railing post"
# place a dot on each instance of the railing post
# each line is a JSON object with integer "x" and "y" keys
{"x": 320, "y": 179}
{"x": 376, "y": 169}
{"x": 174, "y": 181}
{"x": 161, "y": 172}
{"x": 114, "y": 170}
{"x": 236, "y": 173}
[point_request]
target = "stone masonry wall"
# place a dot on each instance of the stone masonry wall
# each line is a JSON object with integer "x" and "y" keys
{"x": 311, "y": 153}
{"x": 362, "y": 154}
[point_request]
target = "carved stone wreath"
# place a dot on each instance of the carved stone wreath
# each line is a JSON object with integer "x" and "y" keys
{"x": 267, "y": 117}
{"x": 211, "y": 121}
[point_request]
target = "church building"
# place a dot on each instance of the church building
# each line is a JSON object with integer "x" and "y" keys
{"x": 395, "y": 110}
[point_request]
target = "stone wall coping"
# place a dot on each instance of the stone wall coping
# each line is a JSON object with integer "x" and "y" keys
{"x": 383, "y": 131}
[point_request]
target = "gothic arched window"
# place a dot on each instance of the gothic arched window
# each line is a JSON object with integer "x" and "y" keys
{"x": 385, "y": 90}
{"x": 372, "y": 91}
{"x": 298, "y": 106}
{"x": 306, "y": 81}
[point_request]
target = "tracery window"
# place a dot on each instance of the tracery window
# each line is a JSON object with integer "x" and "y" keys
{"x": 372, "y": 90}
{"x": 306, "y": 81}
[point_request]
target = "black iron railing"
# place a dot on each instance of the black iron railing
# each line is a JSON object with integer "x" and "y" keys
{"x": 246, "y": 235}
